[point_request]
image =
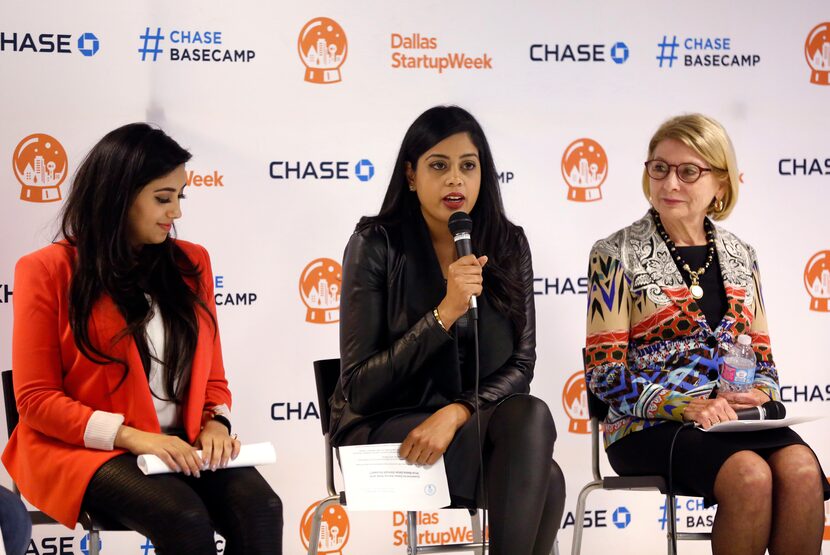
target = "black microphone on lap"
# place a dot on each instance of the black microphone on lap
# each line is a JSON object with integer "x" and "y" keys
{"x": 771, "y": 410}
{"x": 461, "y": 227}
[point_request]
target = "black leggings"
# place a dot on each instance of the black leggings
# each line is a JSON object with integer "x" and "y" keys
{"x": 525, "y": 487}
{"x": 178, "y": 513}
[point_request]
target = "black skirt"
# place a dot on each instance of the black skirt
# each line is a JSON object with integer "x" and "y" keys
{"x": 698, "y": 455}
{"x": 461, "y": 458}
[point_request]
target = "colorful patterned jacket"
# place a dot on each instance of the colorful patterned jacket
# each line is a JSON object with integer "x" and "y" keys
{"x": 649, "y": 349}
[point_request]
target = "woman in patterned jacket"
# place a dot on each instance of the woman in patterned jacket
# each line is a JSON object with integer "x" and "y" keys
{"x": 667, "y": 294}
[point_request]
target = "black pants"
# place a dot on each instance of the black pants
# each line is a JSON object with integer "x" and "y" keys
{"x": 179, "y": 513}
{"x": 525, "y": 487}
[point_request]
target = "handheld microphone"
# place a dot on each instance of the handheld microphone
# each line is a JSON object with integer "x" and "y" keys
{"x": 461, "y": 226}
{"x": 771, "y": 410}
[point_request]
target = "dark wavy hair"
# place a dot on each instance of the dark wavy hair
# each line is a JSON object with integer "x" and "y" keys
{"x": 94, "y": 222}
{"x": 493, "y": 234}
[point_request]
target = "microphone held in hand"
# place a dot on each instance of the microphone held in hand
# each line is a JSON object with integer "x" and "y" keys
{"x": 461, "y": 227}
{"x": 771, "y": 410}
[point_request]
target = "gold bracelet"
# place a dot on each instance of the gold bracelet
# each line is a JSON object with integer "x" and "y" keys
{"x": 438, "y": 318}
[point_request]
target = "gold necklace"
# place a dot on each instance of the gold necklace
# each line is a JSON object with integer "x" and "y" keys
{"x": 694, "y": 288}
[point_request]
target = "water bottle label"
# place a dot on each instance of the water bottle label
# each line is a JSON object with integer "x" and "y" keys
{"x": 742, "y": 378}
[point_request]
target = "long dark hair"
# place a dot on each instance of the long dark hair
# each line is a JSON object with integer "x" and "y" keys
{"x": 493, "y": 234}
{"x": 94, "y": 221}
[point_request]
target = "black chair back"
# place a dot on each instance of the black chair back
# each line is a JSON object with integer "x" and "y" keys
{"x": 326, "y": 375}
{"x": 12, "y": 418}
{"x": 596, "y": 407}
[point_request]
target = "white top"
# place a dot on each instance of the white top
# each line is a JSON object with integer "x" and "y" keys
{"x": 169, "y": 414}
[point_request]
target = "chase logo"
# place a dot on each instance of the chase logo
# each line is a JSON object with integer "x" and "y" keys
{"x": 807, "y": 393}
{"x": 88, "y": 44}
{"x": 621, "y": 517}
{"x": 598, "y": 518}
{"x": 619, "y": 53}
{"x": 326, "y": 170}
{"x": 190, "y": 46}
{"x": 364, "y": 170}
{"x": 583, "y": 52}
{"x": 48, "y": 43}
{"x": 702, "y": 52}
{"x": 560, "y": 286}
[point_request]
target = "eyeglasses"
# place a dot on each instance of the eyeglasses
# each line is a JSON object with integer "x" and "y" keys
{"x": 687, "y": 172}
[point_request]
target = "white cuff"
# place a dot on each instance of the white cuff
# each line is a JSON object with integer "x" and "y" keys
{"x": 101, "y": 429}
{"x": 222, "y": 410}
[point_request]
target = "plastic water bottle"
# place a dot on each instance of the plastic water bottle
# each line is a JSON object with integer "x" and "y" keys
{"x": 738, "y": 370}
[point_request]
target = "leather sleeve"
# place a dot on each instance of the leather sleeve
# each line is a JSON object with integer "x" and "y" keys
{"x": 374, "y": 366}
{"x": 515, "y": 375}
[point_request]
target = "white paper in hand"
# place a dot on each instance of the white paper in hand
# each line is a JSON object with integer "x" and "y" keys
{"x": 377, "y": 479}
{"x": 755, "y": 425}
{"x": 254, "y": 454}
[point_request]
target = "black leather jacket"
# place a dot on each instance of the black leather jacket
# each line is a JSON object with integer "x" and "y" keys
{"x": 395, "y": 357}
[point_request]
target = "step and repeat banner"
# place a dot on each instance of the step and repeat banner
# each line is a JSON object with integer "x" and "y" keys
{"x": 294, "y": 113}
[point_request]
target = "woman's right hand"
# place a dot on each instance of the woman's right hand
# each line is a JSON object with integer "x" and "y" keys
{"x": 176, "y": 453}
{"x": 708, "y": 412}
{"x": 464, "y": 280}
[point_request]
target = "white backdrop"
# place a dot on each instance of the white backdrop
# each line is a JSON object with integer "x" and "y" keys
{"x": 248, "y": 119}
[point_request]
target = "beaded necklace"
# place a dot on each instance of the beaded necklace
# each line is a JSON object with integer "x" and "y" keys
{"x": 695, "y": 289}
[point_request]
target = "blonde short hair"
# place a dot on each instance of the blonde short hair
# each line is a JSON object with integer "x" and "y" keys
{"x": 710, "y": 141}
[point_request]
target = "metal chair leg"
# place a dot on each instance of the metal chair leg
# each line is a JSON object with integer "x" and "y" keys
{"x": 579, "y": 516}
{"x": 316, "y": 521}
{"x": 412, "y": 532}
{"x": 671, "y": 524}
{"x": 94, "y": 542}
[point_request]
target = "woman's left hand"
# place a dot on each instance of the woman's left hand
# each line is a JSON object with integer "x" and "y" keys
{"x": 745, "y": 399}
{"x": 217, "y": 446}
{"x": 428, "y": 441}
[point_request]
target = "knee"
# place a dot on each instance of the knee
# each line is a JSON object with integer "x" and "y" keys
{"x": 796, "y": 467}
{"x": 270, "y": 505}
{"x": 557, "y": 480}
{"x": 746, "y": 477}
{"x": 197, "y": 520}
{"x": 528, "y": 414}
{"x": 189, "y": 530}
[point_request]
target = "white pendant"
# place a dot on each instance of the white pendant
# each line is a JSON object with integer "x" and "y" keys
{"x": 696, "y": 290}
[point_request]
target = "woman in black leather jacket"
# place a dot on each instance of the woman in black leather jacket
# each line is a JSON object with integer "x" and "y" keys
{"x": 408, "y": 365}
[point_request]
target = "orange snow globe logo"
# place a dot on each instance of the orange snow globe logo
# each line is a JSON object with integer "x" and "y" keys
{"x": 40, "y": 165}
{"x": 334, "y": 529}
{"x": 575, "y": 401}
{"x": 320, "y": 290}
{"x": 817, "y": 52}
{"x": 584, "y": 167}
{"x": 817, "y": 281}
{"x": 323, "y": 47}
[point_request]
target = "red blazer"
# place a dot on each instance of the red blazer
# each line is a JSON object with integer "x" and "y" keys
{"x": 57, "y": 388}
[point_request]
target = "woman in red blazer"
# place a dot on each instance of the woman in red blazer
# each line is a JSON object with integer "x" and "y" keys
{"x": 116, "y": 353}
